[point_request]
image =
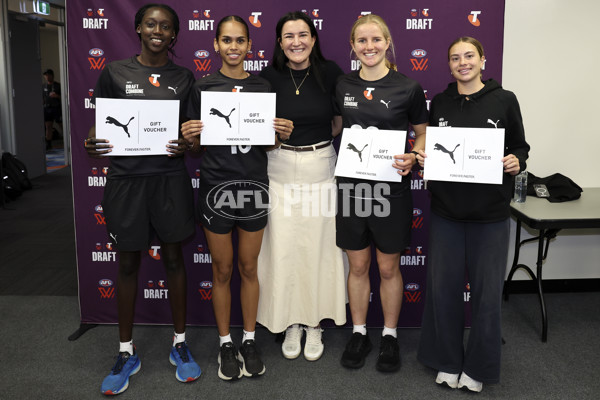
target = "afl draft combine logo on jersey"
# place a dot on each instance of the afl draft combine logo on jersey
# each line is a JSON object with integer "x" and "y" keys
{"x": 253, "y": 18}
{"x": 474, "y": 18}
{"x": 417, "y": 22}
{"x": 96, "y": 181}
{"x": 95, "y": 19}
{"x": 106, "y": 289}
{"x": 96, "y": 60}
{"x": 418, "y": 60}
{"x": 368, "y": 93}
{"x": 202, "y": 61}
{"x": 412, "y": 294}
{"x": 205, "y": 290}
{"x": 198, "y": 24}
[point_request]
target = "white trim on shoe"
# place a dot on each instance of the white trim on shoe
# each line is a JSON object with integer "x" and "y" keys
{"x": 450, "y": 380}
{"x": 467, "y": 382}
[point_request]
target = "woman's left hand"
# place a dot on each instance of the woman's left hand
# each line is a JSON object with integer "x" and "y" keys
{"x": 404, "y": 163}
{"x": 177, "y": 148}
{"x": 511, "y": 164}
{"x": 284, "y": 127}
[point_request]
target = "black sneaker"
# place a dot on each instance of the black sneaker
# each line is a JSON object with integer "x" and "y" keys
{"x": 356, "y": 350}
{"x": 389, "y": 355}
{"x": 252, "y": 365}
{"x": 229, "y": 367}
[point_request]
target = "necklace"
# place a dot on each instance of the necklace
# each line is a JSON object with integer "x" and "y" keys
{"x": 299, "y": 86}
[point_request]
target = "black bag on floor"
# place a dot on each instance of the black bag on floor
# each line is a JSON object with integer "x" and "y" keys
{"x": 14, "y": 179}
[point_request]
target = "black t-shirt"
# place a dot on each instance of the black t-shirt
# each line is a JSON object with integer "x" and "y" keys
{"x": 128, "y": 79}
{"x": 392, "y": 103}
{"x": 51, "y": 101}
{"x": 224, "y": 163}
{"x": 312, "y": 110}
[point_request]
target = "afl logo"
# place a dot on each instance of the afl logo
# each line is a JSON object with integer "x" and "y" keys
{"x": 105, "y": 282}
{"x": 206, "y": 284}
{"x": 417, "y": 212}
{"x": 418, "y": 53}
{"x": 201, "y": 53}
{"x": 98, "y": 209}
{"x": 412, "y": 134}
{"x": 96, "y": 52}
{"x": 411, "y": 287}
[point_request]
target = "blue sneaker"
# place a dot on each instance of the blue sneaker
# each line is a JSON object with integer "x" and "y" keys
{"x": 187, "y": 369}
{"x": 118, "y": 380}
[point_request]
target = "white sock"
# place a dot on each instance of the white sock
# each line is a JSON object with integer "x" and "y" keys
{"x": 178, "y": 338}
{"x": 362, "y": 329}
{"x": 224, "y": 339}
{"x": 389, "y": 331}
{"x": 248, "y": 335}
{"x": 126, "y": 347}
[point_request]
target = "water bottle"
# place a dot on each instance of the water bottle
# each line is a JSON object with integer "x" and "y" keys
{"x": 520, "y": 187}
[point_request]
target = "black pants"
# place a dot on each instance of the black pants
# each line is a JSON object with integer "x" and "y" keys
{"x": 481, "y": 249}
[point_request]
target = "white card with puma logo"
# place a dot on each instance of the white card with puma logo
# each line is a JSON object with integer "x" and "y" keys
{"x": 137, "y": 127}
{"x": 470, "y": 155}
{"x": 237, "y": 118}
{"x": 369, "y": 154}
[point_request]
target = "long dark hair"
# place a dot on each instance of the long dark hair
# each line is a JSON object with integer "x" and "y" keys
{"x": 139, "y": 15}
{"x": 316, "y": 57}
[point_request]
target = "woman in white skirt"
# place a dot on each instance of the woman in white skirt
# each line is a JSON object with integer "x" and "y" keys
{"x": 300, "y": 271}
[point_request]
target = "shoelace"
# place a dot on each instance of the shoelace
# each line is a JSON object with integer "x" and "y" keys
{"x": 313, "y": 336}
{"x": 182, "y": 351}
{"x": 228, "y": 352}
{"x": 356, "y": 342}
{"x": 121, "y": 361}
{"x": 293, "y": 334}
{"x": 249, "y": 347}
{"x": 387, "y": 347}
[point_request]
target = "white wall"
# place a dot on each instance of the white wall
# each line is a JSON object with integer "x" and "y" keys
{"x": 551, "y": 62}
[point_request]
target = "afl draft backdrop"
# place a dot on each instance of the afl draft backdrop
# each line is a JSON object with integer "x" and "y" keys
{"x": 101, "y": 31}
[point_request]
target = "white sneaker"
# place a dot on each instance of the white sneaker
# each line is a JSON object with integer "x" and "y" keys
{"x": 313, "y": 348}
{"x": 469, "y": 383}
{"x": 451, "y": 380}
{"x": 291, "y": 346}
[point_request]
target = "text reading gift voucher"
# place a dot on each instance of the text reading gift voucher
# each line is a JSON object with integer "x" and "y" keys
{"x": 237, "y": 118}
{"x": 137, "y": 127}
{"x": 464, "y": 154}
{"x": 369, "y": 154}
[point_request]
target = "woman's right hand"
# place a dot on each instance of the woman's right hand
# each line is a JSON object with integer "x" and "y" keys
{"x": 97, "y": 148}
{"x": 191, "y": 129}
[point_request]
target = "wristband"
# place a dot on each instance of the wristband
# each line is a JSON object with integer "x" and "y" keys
{"x": 280, "y": 139}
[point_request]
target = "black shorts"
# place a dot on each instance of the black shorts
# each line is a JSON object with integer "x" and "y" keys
{"x": 385, "y": 221}
{"x": 52, "y": 114}
{"x": 136, "y": 208}
{"x": 241, "y": 203}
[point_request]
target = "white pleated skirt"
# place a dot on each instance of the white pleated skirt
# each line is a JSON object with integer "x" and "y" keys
{"x": 300, "y": 268}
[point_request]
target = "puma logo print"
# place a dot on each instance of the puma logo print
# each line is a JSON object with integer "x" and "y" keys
{"x": 174, "y": 89}
{"x": 359, "y": 152}
{"x": 387, "y": 104}
{"x": 214, "y": 111}
{"x": 114, "y": 237}
{"x": 208, "y": 219}
{"x": 439, "y": 147}
{"x": 111, "y": 120}
{"x": 493, "y": 123}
